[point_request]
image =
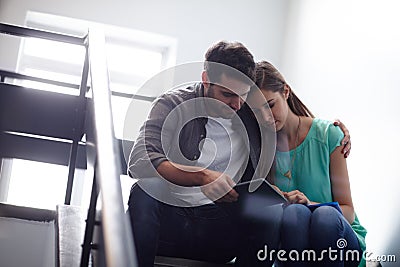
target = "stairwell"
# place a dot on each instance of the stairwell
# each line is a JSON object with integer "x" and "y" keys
{"x": 27, "y": 237}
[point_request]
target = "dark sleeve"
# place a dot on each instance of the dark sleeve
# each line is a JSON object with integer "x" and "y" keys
{"x": 147, "y": 153}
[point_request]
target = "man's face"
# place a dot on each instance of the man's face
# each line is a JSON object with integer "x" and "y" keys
{"x": 230, "y": 93}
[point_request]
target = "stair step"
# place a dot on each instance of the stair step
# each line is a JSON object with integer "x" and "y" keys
{"x": 26, "y": 213}
{"x": 27, "y": 236}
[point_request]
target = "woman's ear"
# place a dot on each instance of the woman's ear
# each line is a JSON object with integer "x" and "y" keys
{"x": 205, "y": 80}
{"x": 286, "y": 92}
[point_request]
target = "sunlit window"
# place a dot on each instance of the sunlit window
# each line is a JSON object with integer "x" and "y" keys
{"x": 43, "y": 185}
{"x": 133, "y": 60}
{"x": 53, "y": 51}
{"x": 132, "y": 57}
{"x": 53, "y": 76}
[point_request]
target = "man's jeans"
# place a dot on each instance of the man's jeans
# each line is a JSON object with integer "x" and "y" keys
{"x": 324, "y": 229}
{"x": 209, "y": 232}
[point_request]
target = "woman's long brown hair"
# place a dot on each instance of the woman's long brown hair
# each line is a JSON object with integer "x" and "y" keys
{"x": 269, "y": 78}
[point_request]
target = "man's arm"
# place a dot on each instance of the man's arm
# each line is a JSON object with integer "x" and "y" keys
{"x": 147, "y": 152}
{"x": 346, "y": 142}
{"x": 215, "y": 185}
{"x": 148, "y": 158}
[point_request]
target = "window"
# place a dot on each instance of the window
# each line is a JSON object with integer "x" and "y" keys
{"x": 43, "y": 185}
{"x": 132, "y": 57}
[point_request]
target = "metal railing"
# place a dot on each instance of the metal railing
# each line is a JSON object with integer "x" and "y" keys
{"x": 64, "y": 38}
{"x": 118, "y": 242}
{"x": 35, "y": 33}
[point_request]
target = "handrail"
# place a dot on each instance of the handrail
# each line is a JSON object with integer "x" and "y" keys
{"x": 9, "y": 74}
{"x": 118, "y": 241}
{"x": 134, "y": 96}
{"x": 21, "y": 31}
{"x": 30, "y": 32}
{"x": 14, "y": 75}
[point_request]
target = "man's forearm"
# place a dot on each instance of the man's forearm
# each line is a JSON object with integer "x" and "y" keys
{"x": 181, "y": 174}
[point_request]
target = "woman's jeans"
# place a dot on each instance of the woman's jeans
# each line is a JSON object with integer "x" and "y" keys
{"x": 319, "y": 238}
{"x": 209, "y": 232}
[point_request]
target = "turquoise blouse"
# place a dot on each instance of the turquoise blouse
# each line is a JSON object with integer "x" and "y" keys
{"x": 310, "y": 170}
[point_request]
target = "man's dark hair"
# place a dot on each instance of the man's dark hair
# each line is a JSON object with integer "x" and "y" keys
{"x": 232, "y": 54}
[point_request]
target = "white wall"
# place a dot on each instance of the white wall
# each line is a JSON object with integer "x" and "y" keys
{"x": 196, "y": 24}
{"x": 343, "y": 59}
{"x": 26, "y": 243}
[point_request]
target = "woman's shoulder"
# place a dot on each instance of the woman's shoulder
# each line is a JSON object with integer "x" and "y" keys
{"x": 322, "y": 122}
{"x": 325, "y": 126}
{"x": 325, "y": 131}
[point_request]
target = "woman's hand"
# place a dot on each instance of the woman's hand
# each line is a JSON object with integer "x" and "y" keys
{"x": 277, "y": 189}
{"x": 296, "y": 197}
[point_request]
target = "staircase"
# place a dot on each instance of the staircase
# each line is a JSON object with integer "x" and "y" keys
{"x": 27, "y": 237}
{"x": 26, "y": 116}
{"x": 69, "y": 236}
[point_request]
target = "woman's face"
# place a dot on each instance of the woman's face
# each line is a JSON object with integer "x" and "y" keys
{"x": 270, "y": 107}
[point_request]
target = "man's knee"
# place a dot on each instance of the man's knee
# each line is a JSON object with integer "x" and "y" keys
{"x": 145, "y": 192}
{"x": 265, "y": 228}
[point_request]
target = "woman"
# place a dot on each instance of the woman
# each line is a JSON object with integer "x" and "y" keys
{"x": 309, "y": 169}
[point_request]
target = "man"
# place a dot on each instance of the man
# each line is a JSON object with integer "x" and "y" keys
{"x": 195, "y": 145}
